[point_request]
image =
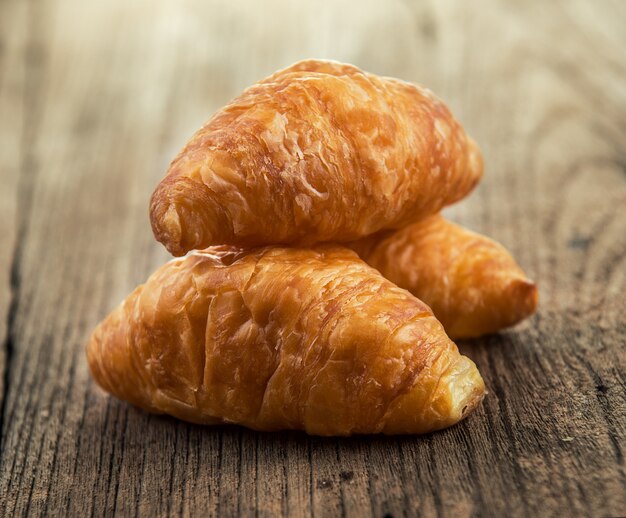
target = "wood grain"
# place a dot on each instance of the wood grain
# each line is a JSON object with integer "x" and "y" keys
{"x": 96, "y": 98}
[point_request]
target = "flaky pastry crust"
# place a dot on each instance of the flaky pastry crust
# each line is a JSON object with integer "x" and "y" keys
{"x": 472, "y": 283}
{"x": 283, "y": 339}
{"x": 320, "y": 151}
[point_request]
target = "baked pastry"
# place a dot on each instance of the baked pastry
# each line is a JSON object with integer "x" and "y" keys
{"x": 320, "y": 151}
{"x": 282, "y": 338}
{"x": 472, "y": 283}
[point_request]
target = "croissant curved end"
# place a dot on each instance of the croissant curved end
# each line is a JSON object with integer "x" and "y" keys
{"x": 438, "y": 401}
{"x": 182, "y": 216}
{"x": 506, "y": 303}
{"x": 527, "y": 293}
{"x": 521, "y": 297}
{"x": 465, "y": 386}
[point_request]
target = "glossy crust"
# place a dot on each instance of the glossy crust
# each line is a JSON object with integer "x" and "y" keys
{"x": 320, "y": 151}
{"x": 472, "y": 283}
{"x": 283, "y": 339}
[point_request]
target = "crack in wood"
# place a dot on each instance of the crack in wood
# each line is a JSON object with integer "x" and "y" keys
{"x": 9, "y": 345}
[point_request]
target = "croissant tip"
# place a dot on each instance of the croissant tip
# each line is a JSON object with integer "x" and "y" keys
{"x": 525, "y": 290}
{"x": 466, "y": 387}
{"x": 166, "y": 223}
{"x": 92, "y": 352}
{"x": 183, "y": 217}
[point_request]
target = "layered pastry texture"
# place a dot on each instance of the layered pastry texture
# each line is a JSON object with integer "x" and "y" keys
{"x": 318, "y": 152}
{"x": 283, "y": 338}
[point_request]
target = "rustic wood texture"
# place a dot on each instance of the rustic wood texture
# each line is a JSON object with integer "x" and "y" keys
{"x": 97, "y": 97}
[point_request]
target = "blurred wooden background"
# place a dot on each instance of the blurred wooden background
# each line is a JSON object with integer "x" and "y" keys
{"x": 97, "y": 97}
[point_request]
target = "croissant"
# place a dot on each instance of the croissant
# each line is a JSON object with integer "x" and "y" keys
{"x": 282, "y": 338}
{"x": 472, "y": 283}
{"x": 320, "y": 151}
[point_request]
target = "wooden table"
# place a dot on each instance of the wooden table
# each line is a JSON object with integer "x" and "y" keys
{"x": 97, "y": 97}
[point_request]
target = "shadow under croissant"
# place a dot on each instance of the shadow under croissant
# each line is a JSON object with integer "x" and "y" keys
{"x": 226, "y": 458}
{"x": 109, "y": 411}
{"x": 122, "y": 421}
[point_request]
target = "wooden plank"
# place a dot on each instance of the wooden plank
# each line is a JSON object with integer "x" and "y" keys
{"x": 101, "y": 96}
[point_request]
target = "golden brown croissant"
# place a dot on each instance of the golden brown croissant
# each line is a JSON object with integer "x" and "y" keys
{"x": 320, "y": 151}
{"x": 283, "y": 339}
{"x": 472, "y": 283}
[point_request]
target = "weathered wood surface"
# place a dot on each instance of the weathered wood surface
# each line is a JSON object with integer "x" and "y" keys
{"x": 97, "y": 97}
